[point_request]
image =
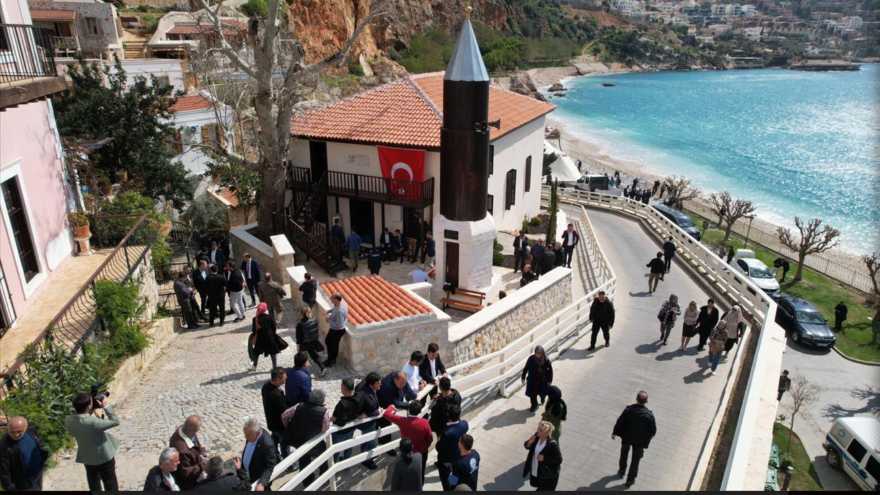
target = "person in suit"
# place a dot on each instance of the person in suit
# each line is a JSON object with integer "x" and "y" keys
{"x": 570, "y": 240}
{"x": 96, "y": 449}
{"x": 398, "y": 247}
{"x": 215, "y": 288}
{"x": 258, "y": 457}
{"x": 271, "y": 293}
{"x": 184, "y": 300}
{"x": 267, "y": 341}
{"x": 22, "y": 457}
{"x": 235, "y": 289}
{"x": 216, "y": 481}
{"x": 528, "y": 276}
{"x": 602, "y": 318}
{"x": 192, "y": 462}
{"x": 386, "y": 240}
{"x": 203, "y": 256}
{"x": 336, "y": 231}
{"x": 635, "y": 427}
{"x": 216, "y": 255}
{"x": 252, "y": 277}
{"x": 432, "y": 368}
{"x": 548, "y": 261}
{"x": 298, "y": 384}
{"x": 365, "y": 391}
{"x": 199, "y": 277}
{"x": 669, "y": 252}
{"x": 537, "y": 374}
{"x": 193, "y": 302}
{"x": 448, "y": 452}
{"x": 558, "y": 255}
{"x": 222, "y": 244}
{"x": 274, "y": 404}
{"x": 537, "y": 254}
{"x": 162, "y": 477}
{"x": 520, "y": 251}
{"x": 424, "y": 228}
{"x": 447, "y": 399}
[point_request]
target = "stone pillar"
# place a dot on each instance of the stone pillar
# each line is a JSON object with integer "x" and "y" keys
{"x": 282, "y": 253}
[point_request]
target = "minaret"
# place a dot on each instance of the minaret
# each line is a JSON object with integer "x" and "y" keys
{"x": 464, "y": 231}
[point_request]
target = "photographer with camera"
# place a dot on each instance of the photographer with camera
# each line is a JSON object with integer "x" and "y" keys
{"x": 96, "y": 448}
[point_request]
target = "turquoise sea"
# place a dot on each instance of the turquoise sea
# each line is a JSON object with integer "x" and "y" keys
{"x": 794, "y": 143}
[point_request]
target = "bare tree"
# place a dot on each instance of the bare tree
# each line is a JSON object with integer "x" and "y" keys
{"x": 680, "y": 190}
{"x": 272, "y": 62}
{"x": 729, "y": 210}
{"x": 872, "y": 261}
{"x": 814, "y": 238}
{"x": 803, "y": 393}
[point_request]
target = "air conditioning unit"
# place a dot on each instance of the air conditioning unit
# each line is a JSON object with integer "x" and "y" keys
{"x": 192, "y": 129}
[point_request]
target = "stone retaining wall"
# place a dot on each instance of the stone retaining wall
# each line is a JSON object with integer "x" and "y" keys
{"x": 160, "y": 332}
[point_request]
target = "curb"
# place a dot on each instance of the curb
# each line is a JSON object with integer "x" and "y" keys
{"x": 859, "y": 361}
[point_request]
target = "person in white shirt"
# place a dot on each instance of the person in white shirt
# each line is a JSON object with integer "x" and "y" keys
{"x": 544, "y": 460}
{"x": 413, "y": 377}
{"x": 161, "y": 477}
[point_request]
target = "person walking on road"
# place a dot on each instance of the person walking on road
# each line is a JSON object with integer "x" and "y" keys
{"x": 658, "y": 268}
{"x": 309, "y": 289}
{"x": 430, "y": 251}
{"x": 271, "y": 293}
{"x": 735, "y": 326}
{"x": 784, "y": 384}
{"x": 520, "y": 251}
{"x": 540, "y": 376}
{"x": 706, "y": 321}
{"x": 267, "y": 341}
{"x": 635, "y": 427}
{"x": 689, "y": 326}
{"x": 570, "y": 240}
{"x": 184, "y": 299}
{"x": 448, "y": 452}
{"x": 555, "y": 412}
{"x": 274, "y": 404}
{"x": 252, "y": 277}
{"x": 667, "y": 316}
{"x": 602, "y": 317}
{"x": 235, "y": 289}
{"x": 466, "y": 471}
{"x": 353, "y": 246}
{"x": 730, "y": 254}
{"x": 840, "y": 312}
{"x": 544, "y": 461}
{"x": 337, "y": 319}
{"x": 308, "y": 337}
{"x": 669, "y": 253}
{"x": 716, "y": 344}
{"x": 215, "y": 287}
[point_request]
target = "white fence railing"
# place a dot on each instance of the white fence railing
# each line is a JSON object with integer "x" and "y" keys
{"x": 750, "y": 450}
{"x": 481, "y": 377}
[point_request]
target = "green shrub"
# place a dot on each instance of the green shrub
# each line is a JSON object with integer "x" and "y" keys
{"x": 496, "y": 246}
{"x": 117, "y": 304}
{"x": 355, "y": 68}
{"x": 535, "y": 222}
{"x": 204, "y": 214}
{"x": 498, "y": 258}
{"x": 161, "y": 253}
{"x": 112, "y": 231}
{"x": 525, "y": 224}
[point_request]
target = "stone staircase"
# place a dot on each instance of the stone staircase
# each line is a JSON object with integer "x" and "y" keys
{"x": 135, "y": 49}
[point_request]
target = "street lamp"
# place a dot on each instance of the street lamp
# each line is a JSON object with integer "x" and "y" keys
{"x": 750, "y": 217}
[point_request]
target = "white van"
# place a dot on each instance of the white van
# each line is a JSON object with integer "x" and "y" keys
{"x": 853, "y": 444}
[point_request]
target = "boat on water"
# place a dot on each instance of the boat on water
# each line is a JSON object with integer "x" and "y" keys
{"x": 608, "y": 85}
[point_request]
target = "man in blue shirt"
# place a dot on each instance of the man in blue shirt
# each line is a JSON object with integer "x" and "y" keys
{"x": 467, "y": 469}
{"x": 22, "y": 457}
{"x": 353, "y": 245}
{"x": 448, "y": 451}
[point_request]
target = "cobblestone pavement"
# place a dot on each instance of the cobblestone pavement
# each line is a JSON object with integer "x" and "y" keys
{"x": 206, "y": 372}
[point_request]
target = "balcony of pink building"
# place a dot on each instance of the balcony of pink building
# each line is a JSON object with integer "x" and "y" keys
{"x": 27, "y": 65}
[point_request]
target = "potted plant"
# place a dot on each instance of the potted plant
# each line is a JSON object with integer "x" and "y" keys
{"x": 81, "y": 223}
{"x": 105, "y": 185}
{"x": 121, "y": 176}
{"x": 89, "y": 201}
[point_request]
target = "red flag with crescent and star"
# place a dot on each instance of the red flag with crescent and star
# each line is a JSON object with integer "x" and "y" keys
{"x": 404, "y": 171}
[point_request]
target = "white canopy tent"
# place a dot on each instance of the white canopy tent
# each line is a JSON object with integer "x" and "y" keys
{"x": 563, "y": 168}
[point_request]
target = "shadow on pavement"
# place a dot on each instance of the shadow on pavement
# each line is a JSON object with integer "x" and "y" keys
{"x": 230, "y": 378}
{"x": 640, "y": 294}
{"x": 648, "y": 348}
{"x": 602, "y": 485}
{"x": 697, "y": 376}
{"x": 573, "y": 354}
{"x": 508, "y": 418}
{"x": 511, "y": 480}
{"x": 867, "y": 394}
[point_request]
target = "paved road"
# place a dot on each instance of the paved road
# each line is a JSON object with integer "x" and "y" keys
{"x": 598, "y": 384}
{"x": 849, "y": 389}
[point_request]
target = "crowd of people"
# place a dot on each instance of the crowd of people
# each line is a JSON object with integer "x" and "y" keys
{"x": 389, "y": 248}
{"x": 534, "y": 259}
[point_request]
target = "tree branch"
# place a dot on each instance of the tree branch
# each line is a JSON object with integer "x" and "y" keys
{"x": 222, "y": 43}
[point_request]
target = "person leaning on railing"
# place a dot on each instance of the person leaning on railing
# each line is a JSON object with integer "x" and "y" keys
{"x": 302, "y": 423}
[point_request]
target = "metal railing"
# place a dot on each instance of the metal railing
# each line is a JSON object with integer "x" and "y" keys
{"x": 25, "y": 52}
{"x": 750, "y": 449}
{"x": 77, "y": 321}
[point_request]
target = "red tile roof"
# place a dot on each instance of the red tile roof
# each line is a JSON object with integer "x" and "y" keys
{"x": 53, "y": 15}
{"x": 371, "y": 299}
{"x": 191, "y": 103}
{"x": 408, "y": 112}
{"x": 228, "y": 195}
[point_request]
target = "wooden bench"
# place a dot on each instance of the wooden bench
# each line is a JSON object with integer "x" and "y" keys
{"x": 467, "y": 306}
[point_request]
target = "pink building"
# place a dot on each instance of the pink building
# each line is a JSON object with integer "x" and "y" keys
{"x": 35, "y": 238}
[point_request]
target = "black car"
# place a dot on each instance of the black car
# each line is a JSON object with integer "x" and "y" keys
{"x": 805, "y": 322}
{"x": 680, "y": 219}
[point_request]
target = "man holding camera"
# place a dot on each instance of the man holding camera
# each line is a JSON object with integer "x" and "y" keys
{"x": 96, "y": 448}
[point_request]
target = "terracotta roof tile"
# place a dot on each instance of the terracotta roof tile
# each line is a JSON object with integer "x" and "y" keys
{"x": 191, "y": 103}
{"x": 408, "y": 112}
{"x": 53, "y": 15}
{"x": 372, "y": 299}
{"x": 228, "y": 195}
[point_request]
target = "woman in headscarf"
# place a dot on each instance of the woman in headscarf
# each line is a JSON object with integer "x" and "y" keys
{"x": 555, "y": 411}
{"x": 689, "y": 328}
{"x": 540, "y": 376}
{"x": 735, "y": 325}
{"x": 668, "y": 313}
{"x": 266, "y": 342}
{"x": 716, "y": 344}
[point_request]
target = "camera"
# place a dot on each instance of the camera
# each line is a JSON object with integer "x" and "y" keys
{"x": 99, "y": 393}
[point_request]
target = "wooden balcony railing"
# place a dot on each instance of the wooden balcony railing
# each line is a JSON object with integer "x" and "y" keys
{"x": 368, "y": 187}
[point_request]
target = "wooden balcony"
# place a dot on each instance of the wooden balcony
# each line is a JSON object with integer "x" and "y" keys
{"x": 369, "y": 188}
{"x": 27, "y": 65}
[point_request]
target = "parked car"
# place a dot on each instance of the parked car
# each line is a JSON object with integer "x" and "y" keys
{"x": 584, "y": 183}
{"x": 746, "y": 263}
{"x": 805, "y": 322}
{"x": 853, "y": 445}
{"x": 680, "y": 219}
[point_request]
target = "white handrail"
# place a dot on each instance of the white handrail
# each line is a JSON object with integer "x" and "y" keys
{"x": 555, "y": 334}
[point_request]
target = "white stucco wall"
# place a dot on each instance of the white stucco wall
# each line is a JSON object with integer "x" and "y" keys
{"x": 154, "y": 66}
{"x": 192, "y": 158}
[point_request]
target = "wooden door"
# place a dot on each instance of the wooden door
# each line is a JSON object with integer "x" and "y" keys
{"x": 452, "y": 263}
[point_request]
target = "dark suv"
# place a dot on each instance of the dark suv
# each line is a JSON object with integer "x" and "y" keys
{"x": 805, "y": 322}
{"x": 680, "y": 219}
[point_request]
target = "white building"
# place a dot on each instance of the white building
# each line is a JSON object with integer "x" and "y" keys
{"x": 749, "y": 10}
{"x": 853, "y": 22}
{"x": 753, "y": 33}
{"x": 343, "y": 142}
{"x": 196, "y": 121}
{"x": 167, "y": 71}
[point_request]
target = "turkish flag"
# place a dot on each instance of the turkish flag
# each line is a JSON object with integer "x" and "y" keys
{"x": 404, "y": 171}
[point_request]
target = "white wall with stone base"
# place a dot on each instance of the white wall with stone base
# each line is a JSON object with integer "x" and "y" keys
{"x": 475, "y": 242}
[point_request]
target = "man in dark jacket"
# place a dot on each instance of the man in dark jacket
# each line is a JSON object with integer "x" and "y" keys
{"x": 386, "y": 240}
{"x": 309, "y": 289}
{"x": 252, "y": 276}
{"x": 161, "y": 477}
{"x": 706, "y": 321}
{"x": 392, "y": 392}
{"x": 215, "y": 287}
{"x": 347, "y": 409}
{"x": 336, "y": 231}
{"x": 635, "y": 427}
{"x": 191, "y": 462}
{"x": 520, "y": 251}
{"x": 537, "y": 253}
{"x": 366, "y": 394}
{"x": 304, "y": 422}
{"x": 219, "y": 482}
{"x": 274, "y": 405}
{"x": 527, "y": 276}
{"x": 198, "y": 312}
{"x": 235, "y": 289}
{"x": 658, "y": 268}
{"x": 184, "y": 297}
{"x": 199, "y": 277}
{"x": 398, "y": 247}
{"x": 258, "y": 456}
{"x": 558, "y": 255}
{"x": 602, "y": 317}
{"x": 840, "y": 312}
{"x": 447, "y": 399}
{"x": 548, "y": 261}
{"x": 22, "y": 457}
{"x": 374, "y": 261}
{"x": 203, "y": 256}
{"x": 570, "y": 240}
{"x": 448, "y": 452}
{"x": 432, "y": 368}
{"x": 298, "y": 385}
{"x": 216, "y": 255}
{"x": 668, "y": 253}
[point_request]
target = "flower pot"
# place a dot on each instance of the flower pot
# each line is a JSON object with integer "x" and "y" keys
{"x": 83, "y": 230}
{"x": 90, "y": 203}
{"x": 107, "y": 190}
{"x": 121, "y": 176}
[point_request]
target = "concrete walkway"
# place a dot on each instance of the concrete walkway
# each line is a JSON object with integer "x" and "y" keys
{"x": 598, "y": 384}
